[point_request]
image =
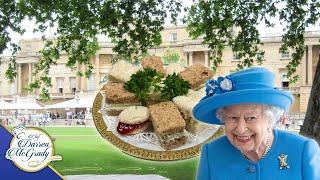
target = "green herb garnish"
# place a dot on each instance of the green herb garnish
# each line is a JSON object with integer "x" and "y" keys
{"x": 143, "y": 82}
{"x": 174, "y": 86}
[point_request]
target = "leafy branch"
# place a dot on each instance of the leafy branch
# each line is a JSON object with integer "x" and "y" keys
{"x": 134, "y": 26}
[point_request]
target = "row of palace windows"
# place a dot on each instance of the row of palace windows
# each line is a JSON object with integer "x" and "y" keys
{"x": 73, "y": 84}
{"x": 283, "y": 55}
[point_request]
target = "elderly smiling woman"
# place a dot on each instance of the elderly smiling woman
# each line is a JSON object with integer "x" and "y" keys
{"x": 249, "y": 106}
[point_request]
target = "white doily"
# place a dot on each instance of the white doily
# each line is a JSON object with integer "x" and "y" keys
{"x": 149, "y": 140}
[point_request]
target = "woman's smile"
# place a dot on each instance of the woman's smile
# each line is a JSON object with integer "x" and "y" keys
{"x": 244, "y": 139}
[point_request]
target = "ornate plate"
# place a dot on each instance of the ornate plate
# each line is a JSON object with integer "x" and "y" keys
{"x": 145, "y": 145}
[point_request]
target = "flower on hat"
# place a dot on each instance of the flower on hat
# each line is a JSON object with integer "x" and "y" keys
{"x": 226, "y": 84}
{"x": 221, "y": 85}
{"x": 211, "y": 87}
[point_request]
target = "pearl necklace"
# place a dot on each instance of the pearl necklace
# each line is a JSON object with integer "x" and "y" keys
{"x": 266, "y": 151}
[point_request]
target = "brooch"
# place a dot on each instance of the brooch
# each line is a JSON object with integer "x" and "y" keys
{"x": 283, "y": 161}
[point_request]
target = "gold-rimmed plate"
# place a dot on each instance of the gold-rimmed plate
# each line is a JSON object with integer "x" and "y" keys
{"x": 137, "y": 146}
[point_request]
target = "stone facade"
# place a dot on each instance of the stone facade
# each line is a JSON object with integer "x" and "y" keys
{"x": 66, "y": 83}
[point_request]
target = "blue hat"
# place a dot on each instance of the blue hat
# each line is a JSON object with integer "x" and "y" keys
{"x": 250, "y": 86}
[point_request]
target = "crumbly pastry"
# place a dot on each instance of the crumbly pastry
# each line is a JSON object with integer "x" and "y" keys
{"x": 133, "y": 120}
{"x": 174, "y": 143}
{"x": 196, "y": 75}
{"x": 168, "y": 125}
{"x": 134, "y": 115}
{"x": 131, "y": 129}
{"x": 153, "y": 62}
{"x": 116, "y": 109}
{"x": 116, "y": 94}
{"x": 118, "y": 98}
{"x": 122, "y": 71}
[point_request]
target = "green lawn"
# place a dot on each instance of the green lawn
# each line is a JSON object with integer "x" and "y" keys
{"x": 85, "y": 152}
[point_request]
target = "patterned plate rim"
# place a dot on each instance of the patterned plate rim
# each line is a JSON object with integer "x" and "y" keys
{"x": 141, "y": 152}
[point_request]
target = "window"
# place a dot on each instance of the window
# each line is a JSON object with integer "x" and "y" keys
{"x": 285, "y": 55}
{"x": 284, "y": 80}
{"x": 73, "y": 84}
{"x": 236, "y": 56}
{"x": 106, "y": 59}
{"x": 60, "y": 83}
{"x": 173, "y": 37}
{"x": 91, "y": 83}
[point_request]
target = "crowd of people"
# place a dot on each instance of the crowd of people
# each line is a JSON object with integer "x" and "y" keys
{"x": 43, "y": 119}
{"x": 78, "y": 116}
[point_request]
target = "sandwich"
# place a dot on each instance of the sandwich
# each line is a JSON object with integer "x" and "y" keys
{"x": 197, "y": 75}
{"x": 133, "y": 120}
{"x": 122, "y": 71}
{"x": 118, "y": 98}
{"x": 153, "y": 62}
{"x": 168, "y": 124}
{"x": 185, "y": 105}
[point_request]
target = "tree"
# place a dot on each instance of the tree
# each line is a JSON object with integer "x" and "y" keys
{"x": 170, "y": 56}
{"x": 311, "y": 125}
{"x": 135, "y": 25}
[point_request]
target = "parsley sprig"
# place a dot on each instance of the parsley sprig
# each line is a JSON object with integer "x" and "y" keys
{"x": 148, "y": 81}
{"x": 143, "y": 82}
{"x": 174, "y": 86}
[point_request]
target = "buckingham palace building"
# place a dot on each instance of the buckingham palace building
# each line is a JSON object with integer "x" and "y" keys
{"x": 66, "y": 83}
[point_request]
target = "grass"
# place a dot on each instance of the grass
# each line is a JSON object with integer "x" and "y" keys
{"x": 85, "y": 152}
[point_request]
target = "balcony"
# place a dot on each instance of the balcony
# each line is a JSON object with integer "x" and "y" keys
{"x": 62, "y": 95}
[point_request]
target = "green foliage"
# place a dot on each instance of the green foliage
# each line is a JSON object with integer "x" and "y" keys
{"x": 11, "y": 72}
{"x": 34, "y": 85}
{"x": 174, "y": 86}
{"x": 44, "y": 94}
{"x": 148, "y": 81}
{"x": 135, "y": 25}
{"x": 143, "y": 83}
{"x": 10, "y": 19}
{"x": 170, "y": 56}
{"x": 233, "y": 23}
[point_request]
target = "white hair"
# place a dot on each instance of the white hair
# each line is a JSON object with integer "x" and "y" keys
{"x": 273, "y": 113}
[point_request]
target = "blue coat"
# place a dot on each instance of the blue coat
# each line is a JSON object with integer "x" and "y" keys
{"x": 221, "y": 160}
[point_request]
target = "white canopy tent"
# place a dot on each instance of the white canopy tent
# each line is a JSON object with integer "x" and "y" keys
{"x": 81, "y": 101}
{"x": 27, "y": 104}
{"x": 4, "y": 105}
